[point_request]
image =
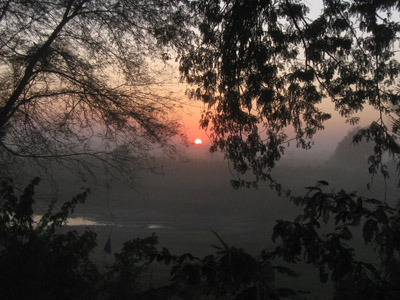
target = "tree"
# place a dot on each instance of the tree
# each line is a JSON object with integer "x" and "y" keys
{"x": 124, "y": 275}
{"x": 263, "y": 67}
{"x": 37, "y": 260}
{"x": 42, "y": 258}
{"x": 77, "y": 83}
{"x": 333, "y": 252}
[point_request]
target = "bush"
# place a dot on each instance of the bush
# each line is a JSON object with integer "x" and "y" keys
{"x": 36, "y": 261}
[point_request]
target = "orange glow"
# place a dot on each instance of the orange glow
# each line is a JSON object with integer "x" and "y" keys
{"x": 198, "y": 141}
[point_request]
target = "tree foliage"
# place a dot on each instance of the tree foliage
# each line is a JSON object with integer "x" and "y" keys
{"x": 77, "y": 79}
{"x": 50, "y": 262}
{"x": 123, "y": 277}
{"x": 36, "y": 260}
{"x": 230, "y": 273}
{"x": 40, "y": 258}
{"x": 263, "y": 67}
{"x": 308, "y": 239}
{"x": 74, "y": 73}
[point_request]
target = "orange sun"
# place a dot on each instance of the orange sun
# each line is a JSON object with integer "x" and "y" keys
{"x": 198, "y": 141}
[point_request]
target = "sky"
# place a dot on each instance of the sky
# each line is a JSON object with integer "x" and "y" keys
{"x": 325, "y": 141}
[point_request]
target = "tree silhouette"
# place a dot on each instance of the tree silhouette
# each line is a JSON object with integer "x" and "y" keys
{"x": 329, "y": 251}
{"x": 37, "y": 260}
{"x": 74, "y": 72}
{"x": 76, "y": 80}
{"x": 262, "y": 68}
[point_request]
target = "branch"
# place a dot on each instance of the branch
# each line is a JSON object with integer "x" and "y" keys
{"x": 6, "y": 112}
{"x": 64, "y": 155}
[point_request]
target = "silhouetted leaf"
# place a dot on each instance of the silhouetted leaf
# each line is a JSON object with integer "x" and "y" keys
{"x": 323, "y": 182}
{"x": 369, "y": 230}
{"x": 286, "y": 271}
{"x": 346, "y": 234}
{"x": 313, "y": 188}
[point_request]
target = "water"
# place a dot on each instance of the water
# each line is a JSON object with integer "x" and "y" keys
{"x": 76, "y": 221}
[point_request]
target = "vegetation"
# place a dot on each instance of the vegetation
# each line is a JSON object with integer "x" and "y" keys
{"x": 302, "y": 239}
{"x": 37, "y": 261}
{"x": 74, "y": 74}
{"x": 52, "y": 262}
{"x": 77, "y": 86}
{"x": 263, "y": 67}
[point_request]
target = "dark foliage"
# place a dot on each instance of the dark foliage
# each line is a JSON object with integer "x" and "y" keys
{"x": 263, "y": 67}
{"x": 308, "y": 239}
{"x": 77, "y": 85}
{"x": 41, "y": 260}
{"x": 37, "y": 261}
{"x": 231, "y": 273}
{"x": 122, "y": 278}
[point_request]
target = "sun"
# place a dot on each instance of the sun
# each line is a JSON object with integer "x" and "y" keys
{"x": 198, "y": 141}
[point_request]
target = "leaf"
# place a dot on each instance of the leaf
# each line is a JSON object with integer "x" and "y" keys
{"x": 216, "y": 247}
{"x": 286, "y": 271}
{"x": 152, "y": 257}
{"x": 323, "y": 182}
{"x": 371, "y": 268}
{"x": 325, "y": 216}
{"x": 380, "y": 216}
{"x": 346, "y": 234}
{"x": 313, "y": 188}
{"x": 235, "y": 184}
{"x": 373, "y": 201}
{"x": 369, "y": 230}
{"x": 221, "y": 240}
{"x": 299, "y": 218}
{"x": 186, "y": 256}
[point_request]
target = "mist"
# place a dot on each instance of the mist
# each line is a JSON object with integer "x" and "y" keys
{"x": 192, "y": 197}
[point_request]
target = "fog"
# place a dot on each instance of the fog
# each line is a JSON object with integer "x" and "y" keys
{"x": 193, "y": 197}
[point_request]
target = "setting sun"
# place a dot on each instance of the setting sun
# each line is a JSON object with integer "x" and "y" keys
{"x": 198, "y": 141}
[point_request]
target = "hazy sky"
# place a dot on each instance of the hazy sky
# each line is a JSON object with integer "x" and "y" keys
{"x": 325, "y": 141}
